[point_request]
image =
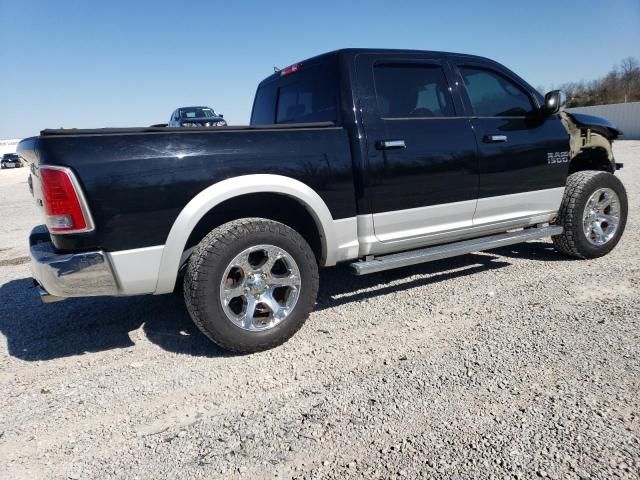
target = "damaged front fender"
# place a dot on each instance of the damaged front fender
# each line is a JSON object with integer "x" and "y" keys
{"x": 595, "y": 124}
{"x": 590, "y": 141}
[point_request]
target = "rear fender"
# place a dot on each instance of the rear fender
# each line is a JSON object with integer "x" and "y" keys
{"x": 339, "y": 238}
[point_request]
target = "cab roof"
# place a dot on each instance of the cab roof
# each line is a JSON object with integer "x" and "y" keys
{"x": 352, "y": 52}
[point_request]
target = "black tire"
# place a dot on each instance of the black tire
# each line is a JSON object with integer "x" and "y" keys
{"x": 208, "y": 263}
{"x": 580, "y": 186}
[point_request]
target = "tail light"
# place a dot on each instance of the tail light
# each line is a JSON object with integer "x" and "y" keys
{"x": 64, "y": 205}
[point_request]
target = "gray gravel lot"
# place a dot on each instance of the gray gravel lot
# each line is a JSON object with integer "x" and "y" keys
{"x": 515, "y": 363}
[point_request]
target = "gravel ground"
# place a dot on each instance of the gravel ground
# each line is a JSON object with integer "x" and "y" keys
{"x": 515, "y": 363}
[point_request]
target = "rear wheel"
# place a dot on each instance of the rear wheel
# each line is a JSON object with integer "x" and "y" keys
{"x": 593, "y": 214}
{"x": 251, "y": 284}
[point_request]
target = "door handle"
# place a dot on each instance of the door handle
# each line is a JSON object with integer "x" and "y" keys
{"x": 390, "y": 144}
{"x": 494, "y": 138}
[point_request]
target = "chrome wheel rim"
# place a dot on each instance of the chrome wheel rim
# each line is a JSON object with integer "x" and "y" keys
{"x": 260, "y": 287}
{"x": 601, "y": 216}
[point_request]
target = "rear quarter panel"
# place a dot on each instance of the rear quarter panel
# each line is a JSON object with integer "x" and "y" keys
{"x": 137, "y": 184}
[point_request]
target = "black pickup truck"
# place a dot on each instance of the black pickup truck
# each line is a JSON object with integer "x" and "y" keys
{"x": 380, "y": 158}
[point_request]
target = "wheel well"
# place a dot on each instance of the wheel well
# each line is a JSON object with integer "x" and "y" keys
{"x": 272, "y": 206}
{"x": 595, "y": 158}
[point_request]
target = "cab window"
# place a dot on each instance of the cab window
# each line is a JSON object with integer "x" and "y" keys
{"x": 494, "y": 95}
{"x": 411, "y": 90}
{"x": 305, "y": 96}
{"x": 310, "y": 95}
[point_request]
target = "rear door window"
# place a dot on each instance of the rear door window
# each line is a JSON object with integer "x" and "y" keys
{"x": 412, "y": 90}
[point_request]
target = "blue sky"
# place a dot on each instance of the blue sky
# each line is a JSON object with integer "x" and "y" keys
{"x": 131, "y": 63}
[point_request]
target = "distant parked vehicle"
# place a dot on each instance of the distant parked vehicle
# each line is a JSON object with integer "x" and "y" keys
{"x": 11, "y": 160}
{"x": 196, "y": 117}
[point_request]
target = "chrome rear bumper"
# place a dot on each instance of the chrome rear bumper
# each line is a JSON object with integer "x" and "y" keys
{"x": 60, "y": 276}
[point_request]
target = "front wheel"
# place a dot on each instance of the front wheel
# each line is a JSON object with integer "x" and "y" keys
{"x": 251, "y": 284}
{"x": 593, "y": 214}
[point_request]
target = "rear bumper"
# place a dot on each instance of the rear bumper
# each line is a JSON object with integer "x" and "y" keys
{"x": 60, "y": 276}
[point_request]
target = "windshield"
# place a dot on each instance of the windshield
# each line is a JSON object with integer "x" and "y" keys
{"x": 197, "y": 112}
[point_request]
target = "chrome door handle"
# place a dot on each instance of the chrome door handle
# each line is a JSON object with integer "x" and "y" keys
{"x": 494, "y": 138}
{"x": 390, "y": 144}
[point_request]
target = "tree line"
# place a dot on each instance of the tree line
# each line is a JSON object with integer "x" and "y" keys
{"x": 620, "y": 85}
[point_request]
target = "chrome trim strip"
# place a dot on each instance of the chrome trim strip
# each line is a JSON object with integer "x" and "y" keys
{"x": 497, "y": 138}
{"x": 390, "y": 144}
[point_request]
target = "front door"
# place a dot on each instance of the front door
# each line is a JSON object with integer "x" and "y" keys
{"x": 422, "y": 172}
{"x": 524, "y": 154}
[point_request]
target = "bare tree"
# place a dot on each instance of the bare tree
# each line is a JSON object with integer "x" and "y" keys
{"x": 621, "y": 84}
{"x": 629, "y": 71}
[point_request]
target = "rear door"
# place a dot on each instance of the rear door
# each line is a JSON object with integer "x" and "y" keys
{"x": 523, "y": 153}
{"x": 422, "y": 171}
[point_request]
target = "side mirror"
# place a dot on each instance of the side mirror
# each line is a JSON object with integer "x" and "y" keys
{"x": 554, "y": 101}
{"x": 221, "y": 115}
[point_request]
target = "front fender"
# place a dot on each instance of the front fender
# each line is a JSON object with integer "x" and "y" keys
{"x": 595, "y": 124}
{"x": 584, "y": 139}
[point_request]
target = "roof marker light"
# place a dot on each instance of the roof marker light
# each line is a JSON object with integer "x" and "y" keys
{"x": 290, "y": 69}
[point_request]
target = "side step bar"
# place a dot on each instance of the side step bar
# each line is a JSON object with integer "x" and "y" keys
{"x": 413, "y": 257}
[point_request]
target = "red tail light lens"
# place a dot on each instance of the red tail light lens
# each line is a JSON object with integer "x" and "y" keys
{"x": 64, "y": 206}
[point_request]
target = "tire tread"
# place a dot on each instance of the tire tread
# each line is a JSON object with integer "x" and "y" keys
{"x": 209, "y": 253}
{"x": 579, "y": 185}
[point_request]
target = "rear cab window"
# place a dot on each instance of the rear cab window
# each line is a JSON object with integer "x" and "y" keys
{"x": 307, "y": 95}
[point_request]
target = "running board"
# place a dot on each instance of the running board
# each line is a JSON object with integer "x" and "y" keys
{"x": 413, "y": 257}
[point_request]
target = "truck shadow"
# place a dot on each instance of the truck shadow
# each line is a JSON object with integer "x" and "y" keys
{"x": 536, "y": 250}
{"x": 37, "y": 332}
{"x": 338, "y": 286}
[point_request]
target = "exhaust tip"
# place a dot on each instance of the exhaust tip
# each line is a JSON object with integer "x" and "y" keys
{"x": 46, "y": 297}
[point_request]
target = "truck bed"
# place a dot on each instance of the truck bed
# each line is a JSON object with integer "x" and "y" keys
{"x": 137, "y": 180}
